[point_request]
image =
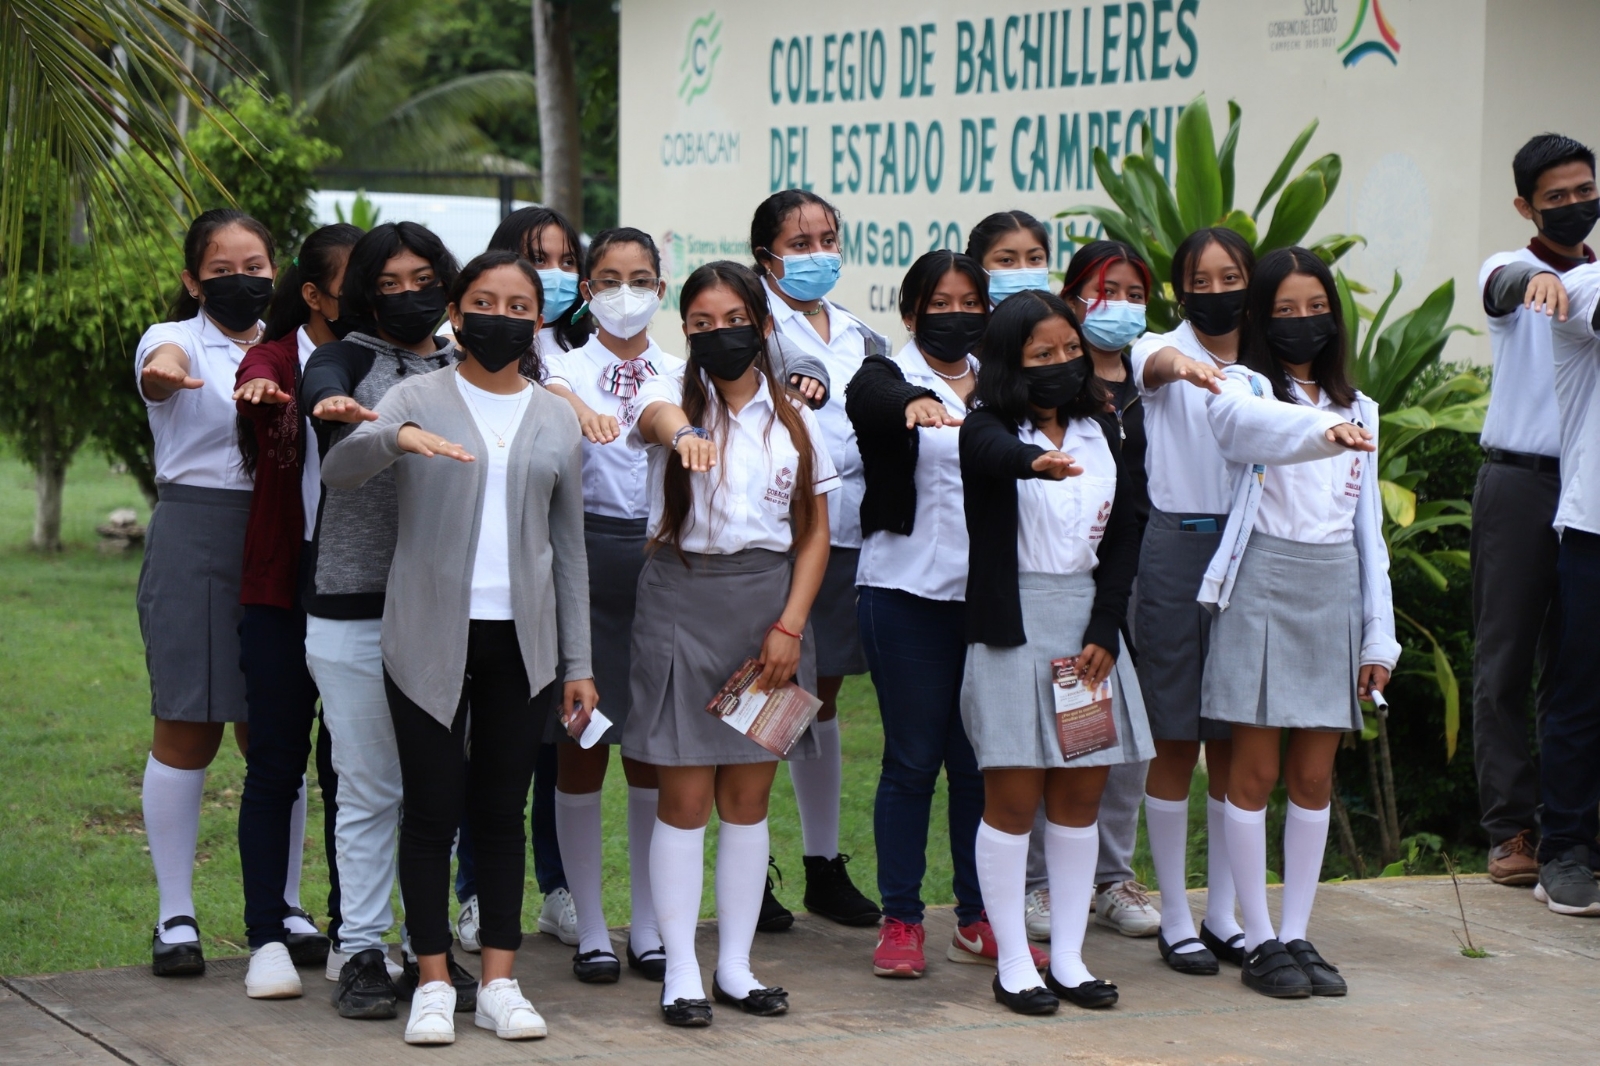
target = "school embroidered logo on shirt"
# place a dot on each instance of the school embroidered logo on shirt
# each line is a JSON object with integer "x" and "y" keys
{"x": 778, "y": 493}
{"x": 1352, "y": 485}
{"x": 1097, "y": 531}
{"x": 626, "y": 414}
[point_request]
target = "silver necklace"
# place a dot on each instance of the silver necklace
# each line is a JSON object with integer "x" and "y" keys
{"x": 260, "y": 330}
{"x": 1300, "y": 381}
{"x": 499, "y": 434}
{"x": 1215, "y": 358}
{"x": 952, "y": 377}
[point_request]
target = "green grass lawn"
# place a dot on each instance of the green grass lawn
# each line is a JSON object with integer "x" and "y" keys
{"x": 76, "y": 888}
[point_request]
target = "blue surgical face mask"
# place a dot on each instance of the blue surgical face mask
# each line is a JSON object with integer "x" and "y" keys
{"x": 1112, "y": 325}
{"x": 1003, "y": 283}
{"x": 560, "y": 292}
{"x": 811, "y": 276}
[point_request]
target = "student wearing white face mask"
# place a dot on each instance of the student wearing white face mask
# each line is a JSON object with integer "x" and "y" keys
{"x": 794, "y": 237}
{"x": 1013, "y": 248}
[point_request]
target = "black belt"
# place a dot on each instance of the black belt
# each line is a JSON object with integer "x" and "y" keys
{"x": 1543, "y": 464}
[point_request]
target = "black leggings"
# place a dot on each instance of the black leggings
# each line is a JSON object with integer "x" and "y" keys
{"x": 440, "y": 784}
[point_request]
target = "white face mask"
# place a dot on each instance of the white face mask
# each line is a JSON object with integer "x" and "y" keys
{"x": 624, "y": 311}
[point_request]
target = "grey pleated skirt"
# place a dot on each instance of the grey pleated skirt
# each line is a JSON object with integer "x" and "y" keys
{"x": 1287, "y": 650}
{"x": 1172, "y": 629}
{"x": 616, "y": 556}
{"x": 693, "y": 625}
{"x": 1006, "y": 701}
{"x": 188, "y": 604}
{"x": 833, "y": 616}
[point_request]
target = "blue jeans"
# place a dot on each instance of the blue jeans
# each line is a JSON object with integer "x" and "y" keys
{"x": 1569, "y": 742}
{"x": 547, "y": 868}
{"x": 916, "y": 650}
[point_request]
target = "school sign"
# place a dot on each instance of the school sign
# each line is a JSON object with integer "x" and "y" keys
{"x": 918, "y": 118}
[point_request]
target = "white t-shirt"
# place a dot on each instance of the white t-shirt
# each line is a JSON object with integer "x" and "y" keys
{"x": 195, "y": 429}
{"x": 498, "y": 419}
{"x": 615, "y": 476}
{"x": 1314, "y": 502}
{"x": 1577, "y": 378}
{"x": 311, "y": 471}
{"x": 843, "y": 355}
{"x": 1519, "y": 419}
{"x": 932, "y": 561}
{"x": 1060, "y": 524}
{"x": 743, "y": 501}
{"x": 1188, "y": 475}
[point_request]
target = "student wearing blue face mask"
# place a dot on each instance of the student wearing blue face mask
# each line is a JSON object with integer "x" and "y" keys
{"x": 547, "y": 240}
{"x": 1013, "y": 248}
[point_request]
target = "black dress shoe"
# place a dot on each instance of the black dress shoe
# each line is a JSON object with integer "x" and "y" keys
{"x": 464, "y": 983}
{"x": 652, "y": 965}
{"x": 832, "y": 895}
{"x": 1199, "y": 963}
{"x": 365, "y": 990}
{"x": 687, "y": 1013}
{"x": 1272, "y": 971}
{"x": 1230, "y": 950}
{"x": 1324, "y": 976}
{"x": 775, "y": 917}
{"x": 1091, "y": 994}
{"x": 177, "y": 960}
{"x": 762, "y": 1002}
{"x": 306, "y": 949}
{"x": 1034, "y": 1000}
{"x": 599, "y": 967}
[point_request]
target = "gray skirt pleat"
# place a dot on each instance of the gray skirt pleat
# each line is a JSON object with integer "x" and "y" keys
{"x": 188, "y": 604}
{"x": 1287, "y": 650}
{"x": 1172, "y": 629}
{"x": 1006, "y": 701}
{"x": 833, "y": 616}
{"x": 693, "y": 626}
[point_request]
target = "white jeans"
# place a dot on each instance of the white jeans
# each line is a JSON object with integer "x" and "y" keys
{"x": 347, "y": 663}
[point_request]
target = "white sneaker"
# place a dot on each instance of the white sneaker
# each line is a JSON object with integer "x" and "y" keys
{"x": 559, "y": 917}
{"x": 433, "y": 1014}
{"x": 272, "y": 974}
{"x": 1036, "y": 913}
{"x": 336, "y": 959}
{"x": 502, "y": 1008}
{"x": 467, "y": 926}
{"x": 1126, "y": 907}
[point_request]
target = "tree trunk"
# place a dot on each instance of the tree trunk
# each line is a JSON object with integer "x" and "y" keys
{"x": 560, "y": 147}
{"x": 49, "y": 474}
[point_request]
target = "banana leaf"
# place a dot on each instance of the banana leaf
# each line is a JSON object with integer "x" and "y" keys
{"x": 1302, "y": 201}
{"x": 1199, "y": 179}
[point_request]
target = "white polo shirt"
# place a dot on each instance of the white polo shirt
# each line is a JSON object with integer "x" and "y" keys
{"x": 1314, "y": 502}
{"x": 1576, "y": 346}
{"x": 1519, "y": 419}
{"x": 194, "y": 429}
{"x": 1060, "y": 524}
{"x": 1188, "y": 475}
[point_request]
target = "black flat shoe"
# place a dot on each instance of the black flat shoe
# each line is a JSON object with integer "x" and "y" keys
{"x": 306, "y": 949}
{"x": 1091, "y": 994}
{"x": 365, "y": 990}
{"x": 596, "y": 967}
{"x": 1199, "y": 963}
{"x": 1034, "y": 1000}
{"x": 687, "y": 1013}
{"x": 1323, "y": 975}
{"x": 775, "y": 917}
{"x": 177, "y": 960}
{"x": 762, "y": 1002}
{"x": 1272, "y": 971}
{"x": 652, "y": 965}
{"x": 832, "y": 895}
{"x": 1229, "y": 951}
{"x": 464, "y": 983}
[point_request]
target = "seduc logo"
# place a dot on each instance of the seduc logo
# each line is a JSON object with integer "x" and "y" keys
{"x": 1384, "y": 44}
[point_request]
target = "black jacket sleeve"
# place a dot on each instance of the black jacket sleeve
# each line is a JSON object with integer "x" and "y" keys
{"x": 875, "y": 399}
{"x": 1118, "y": 552}
{"x": 991, "y": 449}
{"x": 333, "y": 370}
{"x": 993, "y": 460}
{"x": 875, "y": 402}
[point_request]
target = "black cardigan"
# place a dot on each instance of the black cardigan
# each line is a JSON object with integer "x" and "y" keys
{"x": 993, "y": 460}
{"x": 875, "y": 402}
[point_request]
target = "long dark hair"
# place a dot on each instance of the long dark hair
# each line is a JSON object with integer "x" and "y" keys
{"x": 518, "y": 232}
{"x": 198, "y": 239}
{"x": 922, "y": 280}
{"x": 323, "y": 253}
{"x": 1187, "y": 255}
{"x": 1002, "y": 388}
{"x": 1328, "y": 367}
{"x": 373, "y": 251}
{"x": 770, "y": 216}
{"x": 528, "y": 365}
{"x": 993, "y": 227}
{"x": 678, "y": 494}
{"x": 1093, "y": 260}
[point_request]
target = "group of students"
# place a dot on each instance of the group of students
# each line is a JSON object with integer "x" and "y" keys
{"x": 454, "y": 548}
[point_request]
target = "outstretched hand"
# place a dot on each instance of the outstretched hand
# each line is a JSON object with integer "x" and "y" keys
{"x": 930, "y": 413}
{"x": 259, "y": 391}
{"x": 418, "y": 441}
{"x": 342, "y": 409}
{"x": 167, "y": 378}
{"x": 1206, "y": 376}
{"x": 1546, "y": 293}
{"x": 1057, "y": 466}
{"x": 1349, "y": 435}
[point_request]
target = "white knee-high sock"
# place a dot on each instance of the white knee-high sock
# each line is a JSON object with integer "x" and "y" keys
{"x": 816, "y": 791}
{"x": 677, "y": 876}
{"x": 172, "y": 827}
{"x": 1305, "y": 838}
{"x": 1070, "y": 854}
{"x": 643, "y": 934}
{"x": 742, "y": 852}
{"x": 1168, "y": 825}
{"x": 297, "y": 854}
{"x": 1220, "y": 896}
{"x": 1247, "y": 855}
{"x": 1002, "y": 877}
{"x": 578, "y": 833}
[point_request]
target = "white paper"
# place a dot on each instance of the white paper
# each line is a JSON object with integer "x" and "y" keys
{"x": 598, "y": 724}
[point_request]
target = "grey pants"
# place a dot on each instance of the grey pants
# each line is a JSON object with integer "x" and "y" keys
{"x": 1119, "y": 828}
{"x": 1513, "y": 617}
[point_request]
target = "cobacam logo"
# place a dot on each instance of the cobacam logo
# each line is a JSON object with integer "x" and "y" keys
{"x": 700, "y": 54}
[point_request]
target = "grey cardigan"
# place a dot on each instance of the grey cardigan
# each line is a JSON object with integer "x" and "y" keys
{"x": 427, "y": 608}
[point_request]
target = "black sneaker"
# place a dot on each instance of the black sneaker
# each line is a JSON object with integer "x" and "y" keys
{"x": 178, "y": 960}
{"x": 464, "y": 983}
{"x": 775, "y": 917}
{"x": 1324, "y": 975}
{"x": 364, "y": 989}
{"x": 307, "y": 949}
{"x": 1272, "y": 971}
{"x": 1567, "y": 885}
{"x": 832, "y": 895}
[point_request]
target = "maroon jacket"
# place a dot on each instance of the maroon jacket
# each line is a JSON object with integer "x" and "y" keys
{"x": 277, "y": 516}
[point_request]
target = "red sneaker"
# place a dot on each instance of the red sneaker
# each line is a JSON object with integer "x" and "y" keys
{"x": 975, "y": 944}
{"x": 899, "y": 950}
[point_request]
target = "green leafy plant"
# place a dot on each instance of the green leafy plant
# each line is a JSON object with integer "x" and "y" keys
{"x": 1417, "y": 849}
{"x": 363, "y": 212}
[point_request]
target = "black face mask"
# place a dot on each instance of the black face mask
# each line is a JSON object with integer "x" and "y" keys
{"x": 726, "y": 354}
{"x": 1214, "y": 313}
{"x": 235, "y": 301}
{"x": 1300, "y": 340}
{"x": 1569, "y": 224}
{"x": 410, "y": 316}
{"x": 495, "y": 340}
{"x": 1058, "y": 384}
{"x": 952, "y": 335}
